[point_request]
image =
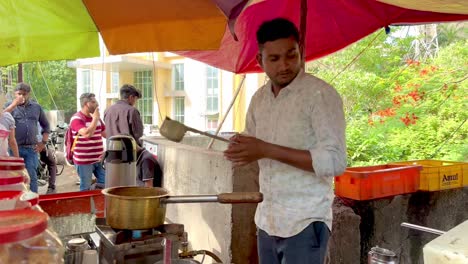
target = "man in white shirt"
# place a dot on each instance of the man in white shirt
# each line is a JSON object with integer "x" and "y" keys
{"x": 295, "y": 129}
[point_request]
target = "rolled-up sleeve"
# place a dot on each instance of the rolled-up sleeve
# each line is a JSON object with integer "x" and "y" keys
{"x": 328, "y": 123}
{"x": 9, "y": 120}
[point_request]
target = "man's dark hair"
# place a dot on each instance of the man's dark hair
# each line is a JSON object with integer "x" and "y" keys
{"x": 275, "y": 29}
{"x": 23, "y": 87}
{"x": 127, "y": 90}
{"x": 86, "y": 97}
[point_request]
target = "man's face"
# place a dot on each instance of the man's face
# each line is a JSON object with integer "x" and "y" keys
{"x": 281, "y": 60}
{"x": 22, "y": 96}
{"x": 92, "y": 105}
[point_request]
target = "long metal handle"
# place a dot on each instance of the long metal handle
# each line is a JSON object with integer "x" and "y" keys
{"x": 208, "y": 134}
{"x": 422, "y": 228}
{"x": 191, "y": 199}
{"x": 231, "y": 198}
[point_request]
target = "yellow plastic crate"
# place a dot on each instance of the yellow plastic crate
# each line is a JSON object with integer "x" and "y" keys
{"x": 440, "y": 175}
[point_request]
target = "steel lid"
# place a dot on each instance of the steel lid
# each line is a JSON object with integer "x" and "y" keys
{"x": 77, "y": 243}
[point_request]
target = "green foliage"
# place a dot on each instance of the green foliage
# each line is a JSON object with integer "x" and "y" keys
{"x": 400, "y": 109}
{"x": 53, "y": 84}
{"x": 452, "y": 32}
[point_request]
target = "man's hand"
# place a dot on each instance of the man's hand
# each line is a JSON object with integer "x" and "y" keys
{"x": 39, "y": 147}
{"x": 245, "y": 150}
{"x": 96, "y": 114}
{"x": 18, "y": 101}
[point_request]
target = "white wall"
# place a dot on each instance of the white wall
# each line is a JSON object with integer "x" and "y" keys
{"x": 195, "y": 89}
{"x": 227, "y": 80}
{"x": 251, "y": 86}
{"x": 98, "y": 87}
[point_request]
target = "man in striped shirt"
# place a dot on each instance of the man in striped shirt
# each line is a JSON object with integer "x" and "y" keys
{"x": 90, "y": 129}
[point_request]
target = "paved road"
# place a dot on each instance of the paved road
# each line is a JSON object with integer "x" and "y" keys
{"x": 65, "y": 182}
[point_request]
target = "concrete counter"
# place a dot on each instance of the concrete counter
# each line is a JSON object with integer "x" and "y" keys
{"x": 230, "y": 232}
{"x": 189, "y": 168}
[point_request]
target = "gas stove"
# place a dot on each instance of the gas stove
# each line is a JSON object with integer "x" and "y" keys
{"x": 139, "y": 246}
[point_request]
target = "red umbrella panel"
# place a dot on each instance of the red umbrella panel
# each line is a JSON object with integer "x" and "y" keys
{"x": 331, "y": 26}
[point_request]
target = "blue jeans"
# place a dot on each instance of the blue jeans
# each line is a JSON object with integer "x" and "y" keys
{"x": 86, "y": 173}
{"x": 309, "y": 246}
{"x": 31, "y": 162}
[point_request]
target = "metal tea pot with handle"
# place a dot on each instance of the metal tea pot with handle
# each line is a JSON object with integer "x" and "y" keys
{"x": 120, "y": 161}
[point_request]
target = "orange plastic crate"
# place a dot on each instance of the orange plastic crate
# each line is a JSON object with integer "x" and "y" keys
{"x": 371, "y": 182}
{"x": 440, "y": 174}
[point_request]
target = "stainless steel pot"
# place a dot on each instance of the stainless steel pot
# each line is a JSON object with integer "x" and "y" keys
{"x": 143, "y": 207}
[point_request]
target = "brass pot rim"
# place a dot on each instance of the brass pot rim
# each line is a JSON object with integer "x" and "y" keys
{"x": 107, "y": 192}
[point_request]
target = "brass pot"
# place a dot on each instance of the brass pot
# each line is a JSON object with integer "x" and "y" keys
{"x": 137, "y": 208}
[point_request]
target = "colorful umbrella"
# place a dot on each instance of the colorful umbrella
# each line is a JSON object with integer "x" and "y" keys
{"x": 37, "y": 30}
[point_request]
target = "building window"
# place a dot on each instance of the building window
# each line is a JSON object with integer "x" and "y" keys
{"x": 211, "y": 123}
{"x": 86, "y": 77}
{"x": 212, "y": 89}
{"x": 179, "y": 109}
{"x": 178, "y": 76}
{"x": 143, "y": 80}
{"x": 115, "y": 82}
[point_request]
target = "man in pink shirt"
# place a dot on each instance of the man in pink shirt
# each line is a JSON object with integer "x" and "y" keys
{"x": 90, "y": 129}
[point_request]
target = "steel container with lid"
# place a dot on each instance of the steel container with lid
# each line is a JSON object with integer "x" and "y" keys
{"x": 75, "y": 249}
{"x": 24, "y": 238}
{"x": 120, "y": 161}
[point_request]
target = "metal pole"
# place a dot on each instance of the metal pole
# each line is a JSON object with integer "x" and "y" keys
{"x": 303, "y": 30}
{"x": 20, "y": 72}
{"x": 228, "y": 109}
{"x": 422, "y": 228}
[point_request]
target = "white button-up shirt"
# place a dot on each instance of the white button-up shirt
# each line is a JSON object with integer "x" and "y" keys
{"x": 308, "y": 115}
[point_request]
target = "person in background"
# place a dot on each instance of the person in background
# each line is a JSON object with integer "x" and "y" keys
{"x": 7, "y": 132}
{"x": 123, "y": 118}
{"x": 47, "y": 156}
{"x": 8, "y": 122}
{"x": 87, "y": 125}
{"x": 295, "y": 130}
{"x": 28, "y": 114}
